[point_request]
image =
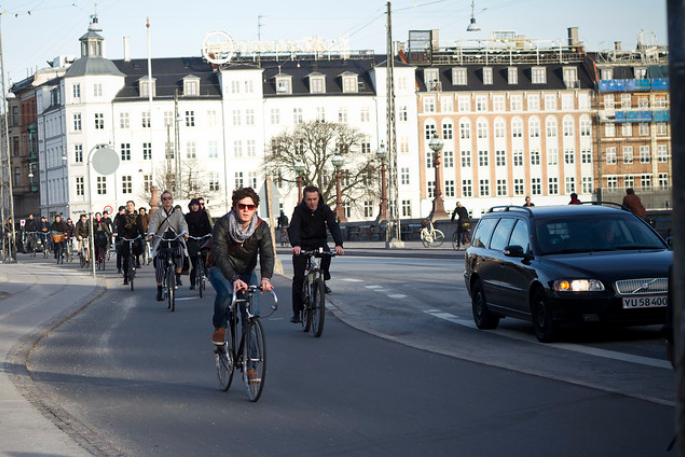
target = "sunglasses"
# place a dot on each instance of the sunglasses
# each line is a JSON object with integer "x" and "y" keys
{"x": 167, "y": 198}
{"x": 250, "y": 207}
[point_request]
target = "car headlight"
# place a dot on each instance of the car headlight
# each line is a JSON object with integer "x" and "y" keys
{"x": 578, "y": 285}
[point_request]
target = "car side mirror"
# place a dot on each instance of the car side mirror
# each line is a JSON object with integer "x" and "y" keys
{"x": 669, "y": 241}
{"x": 513, "y": 251}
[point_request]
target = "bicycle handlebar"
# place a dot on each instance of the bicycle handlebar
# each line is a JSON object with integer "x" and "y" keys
{"x": 168, "y": 239}
{"x": 199, "y": 238}
{"x": 318, "y": 253}
{"x": 131, "y": 240}
{"x": 251, "y": 290}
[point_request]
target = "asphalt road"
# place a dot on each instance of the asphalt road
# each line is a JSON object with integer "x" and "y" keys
{"x": 403, "y": 374}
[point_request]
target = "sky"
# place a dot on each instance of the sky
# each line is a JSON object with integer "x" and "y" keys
{"x": 36, "y": 31}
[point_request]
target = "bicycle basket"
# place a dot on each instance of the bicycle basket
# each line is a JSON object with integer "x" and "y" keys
{"x": 58, "y": 238}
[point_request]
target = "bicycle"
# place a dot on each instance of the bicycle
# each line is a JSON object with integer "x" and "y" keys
{"x": 166, "y": 253}
{"x": 285, "y": 241}
{"x": 82, "y": 252}
{"x": 45, "y": 242}
{"x": 69, "y": 249}
{"x": 131, "y": 267}
{"x": 147, "y": 253}
{"x": 100, "y": 256}
{"x": 465, "y": 237}
{"x": 313, "y": 293}
{"x": 199, "y": 272}
{"x": 31, "y": 243}
{"x": 58, "y": 240}
{"x": 431, "y": 236}
{"x": 250, "y": 353}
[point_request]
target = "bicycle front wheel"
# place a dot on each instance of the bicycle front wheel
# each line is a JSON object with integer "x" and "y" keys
{"x": 438, "y": 238}
{"x": 131, "y": 272}
{"x": 171, "y": 288}
{"x": 318, "y": 307}
{"x": 254, "y": 355}
{"x": 455, "y": 241}
{"x": 425, "y": 239}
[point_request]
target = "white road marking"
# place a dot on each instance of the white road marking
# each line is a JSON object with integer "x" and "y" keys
{"x": 186, "y": 298}
{"x": 352, "y": 280}
{"x": 374, "y": 287}
{"x": 597, "y": 352}
{"x": 396, "y": 296}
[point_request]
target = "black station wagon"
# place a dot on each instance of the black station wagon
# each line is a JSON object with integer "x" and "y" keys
{"x": 564, "y": 265}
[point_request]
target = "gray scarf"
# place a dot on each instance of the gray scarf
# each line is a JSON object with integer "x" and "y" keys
{"x": 235, "y": 228}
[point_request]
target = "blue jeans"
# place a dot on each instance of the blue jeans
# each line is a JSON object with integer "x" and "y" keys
{"x": 224, "y": 294}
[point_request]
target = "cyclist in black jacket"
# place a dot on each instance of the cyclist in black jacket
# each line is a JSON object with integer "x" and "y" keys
{"x": 307, "y": 231}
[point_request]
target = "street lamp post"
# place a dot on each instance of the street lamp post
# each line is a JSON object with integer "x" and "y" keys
{"x": 382, "y": 154}
{"x": 438, "y": 210}
{"x": 338, "y": 161}
{"x": 299, "y": 167}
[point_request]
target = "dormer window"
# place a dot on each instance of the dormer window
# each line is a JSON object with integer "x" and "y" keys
{"x": 459, "y": 77}
{"x": 512, "y": 75}
{"x": 350, "y": 84}
{"x": 431, "y": 77}
{"x": 284, "y": 84}
{"x": 144, "y": 87}
{"x": 487, "y": 75}
{"x": 317, "y": 83}
{"x": 538, "y": 75}
{"x": 640, "y": 73}
{"x": 571, "y": 78}
{"x": 191, "y": 86}
{"x": 607, "y": 74}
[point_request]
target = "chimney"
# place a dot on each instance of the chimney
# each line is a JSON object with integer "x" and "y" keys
{"x": 573, "y": 37}
{"x": 617, "y": 45}
{"x": 127, "y": 50}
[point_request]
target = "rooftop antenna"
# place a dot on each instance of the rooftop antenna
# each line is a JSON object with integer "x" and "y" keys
{"x": 473, "y": 27}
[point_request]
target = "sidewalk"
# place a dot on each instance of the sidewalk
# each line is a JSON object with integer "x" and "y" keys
{"x": 35, "y": 297}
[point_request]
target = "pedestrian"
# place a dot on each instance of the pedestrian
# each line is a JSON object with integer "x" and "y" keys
{"x": 462, "y": 223}
{"x": 528, "y": 202}
{"x": 574, "y": 199}
{"x": 282, "y": 226}
{"x": 634, "y": 204}
{"x": 307, "y": 231}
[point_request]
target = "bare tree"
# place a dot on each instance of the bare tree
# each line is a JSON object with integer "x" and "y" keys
{"x": 193, "y": 181}
{"x": 315, "y": 143}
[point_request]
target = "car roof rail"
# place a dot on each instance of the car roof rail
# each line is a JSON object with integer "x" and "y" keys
{"x": 606, "y": 203}
{"x": 510, "y": 208}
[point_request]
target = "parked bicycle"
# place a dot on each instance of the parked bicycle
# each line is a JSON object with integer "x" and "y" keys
{"x": 131, "y": 267}
{"x": 313, "y": 292}
{"x": 166, "y": 253}
{"x": 199, "y": 271}
{"x": 430, "y": 236}
{"x": 249, "y": 354}
{"x": 463, "y": 238}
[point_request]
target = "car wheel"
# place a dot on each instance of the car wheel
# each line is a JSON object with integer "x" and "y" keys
{"x": 482, "y": 316}
{"x": 543, "y": 321}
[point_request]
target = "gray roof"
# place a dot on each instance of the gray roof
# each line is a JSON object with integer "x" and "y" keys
{"x": 93, "y": 66}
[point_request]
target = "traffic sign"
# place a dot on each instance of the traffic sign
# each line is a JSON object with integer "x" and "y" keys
{"x": 108, "y": 209}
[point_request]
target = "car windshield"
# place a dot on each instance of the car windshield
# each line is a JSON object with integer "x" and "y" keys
{"x": 597, "y": 233}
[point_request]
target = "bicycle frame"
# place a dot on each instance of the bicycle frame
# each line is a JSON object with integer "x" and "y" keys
{"x": 313, "y": 299}
{"x": 200, "y": 273}
{"x": 131, "y": 267}
{"x": 169, "y": 279}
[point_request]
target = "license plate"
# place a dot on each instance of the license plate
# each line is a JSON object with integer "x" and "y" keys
{"x": 658, "y": 301}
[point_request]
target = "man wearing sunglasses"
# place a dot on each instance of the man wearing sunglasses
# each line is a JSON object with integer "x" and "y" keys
{"x": 167, "y": 217}
{"x": 237, "y": 239}
{"x": 308, "y": 231}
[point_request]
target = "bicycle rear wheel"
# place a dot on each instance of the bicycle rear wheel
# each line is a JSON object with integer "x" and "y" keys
{"x": 200, "y": 277}
{"x": 254, "y": 355}
{"x": 224, "y": 359}
{"x": 455, "y": 241}
{"x": 438, "y": 238}
{"x": 131, "y": 271}
{"x": 318, "y": 307}
{"x": 425, "y": 239}
{"x": 306, "y": 306}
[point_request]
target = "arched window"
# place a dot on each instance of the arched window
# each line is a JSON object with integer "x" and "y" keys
{"x": 551, "y": 127}
{"x": 500, "y": 128}
{"x": 534, "y": 127}
{"x": 569, "y": 126}
{"x": 517, "y": 127}
{"x": 482, "y": 127}
{"x": 464, "y": 129}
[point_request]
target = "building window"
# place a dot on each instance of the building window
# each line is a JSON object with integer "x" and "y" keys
{"x": 585, "y": 127}
{"x": 567, "y": 102}
{"x": 481, "y": 103}
{"x": 450, "y": 188}
{"x": 191, "y": 150}
{"x": 534, "y": 157}
{"x": 99, "y": 121}
{"x": 586, "y": 155}
{"x": 551, "y": 127}
{"x": 77, "y": 122}
{"x": 275, "y": 116}
{"x": 609, "y": 101}
{"x": 610, "y": 130}
{"x": 550, "y": 102}
{"x": 125, "y": 151}
{"x": 516, "y": 103}
{"x": 78, "y": 153}
{"x": 501, "y": 187}
{"x": 483, "y": 158}
{"x": 404, "y": 176}
{"x": 569, "y": 156}
{"x": 587, "y": 184}
{"x": 214, "y": 181}
{"x": 482, "y": 128}
{"x": 145, "y": 119}
{"x": 459, "y": 76}
{"x": 536, "y": 186}
{"x": 126, "y": 185}
{"x": 645, "y": 155}
{"x": 446, "y": 105}
{"x": 212, "y": 149}
{"x": 404, "y": 114}
{"x": 553, "y": 186}
{"x": 147, "y": 183}
{"x": 500, "y": 128}
{"x": 239, "y": 179}
{"x": 512, "y": 75}
{"x": 662, "y": 154}
{"x": 97, "y": 90}
{"x": 283, "y": 86}
{"x": 430, "y": 130}
{"x": 190, "y": 118}
{"x": 297, "y": 115}
{"x": 76, "y": 91}
{"x": 533, "y": 102}
{"x": 365, "y": 114}
{"x": 519, "y": 188}
{"x": 447, "y": 131}
{"x": 611, "y": 156}
{"x": 552, "y": 156}
{"x": 663, "y": 181}
{"x": 570, "y": 184}
{"x": 249, "y": 117}
{"x": 646, "y": 181}
{"x": 101, "y": 185}
{"x": 629, "y": 181}
{"x": 612, "y": 182}
{"x": 429, "y": 105}
{"x": 80, "y": 187}
{"x": 448, "y": 159}
{"x": 538, "y": 75}
{"x": 464, "y": 104}
{"x": 147, "y": 151}
{"x": 569, "y": 127}
{"x": 484, "y": 187}
{"x": 518, "y": 157}
{"x": 465, "y": 130}
{"x": 498, "y": 103}
{"x": 487, "y": 75}
{"x": 627, "y": 155}
{"x": 606, "y": 74}
{"x": 431, "y": 78}
{"x": 626, "y": 101}
{"x": 661, "y": 128}
{"x": 643, "y": 129}
{"x": 317, "y": 85}
{"x": 211, "y": 118}
{"x": 626, "y": 129}
{"x": 467, "y": 188}
{"x": 350, "y": 84}
{"x": 517, "y": 128}
{"x": 406, "y": 208}
{"x": 534, "y": 127}
{"x": 501, "y": 158}
{"x": 465, "y": 159}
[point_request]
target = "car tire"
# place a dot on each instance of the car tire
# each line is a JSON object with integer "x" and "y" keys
{"x": 482, "y": 316}
{"x": 543, "y": 322}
